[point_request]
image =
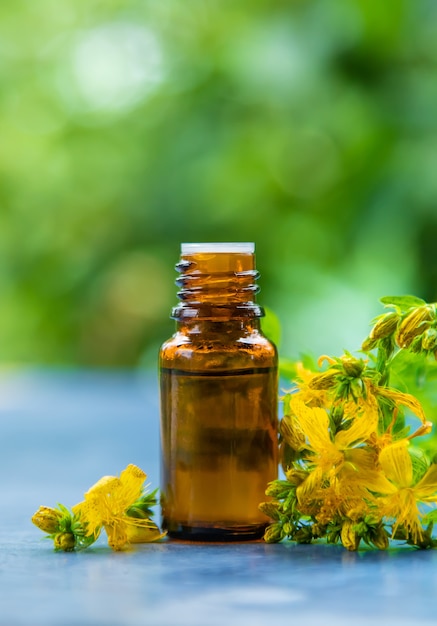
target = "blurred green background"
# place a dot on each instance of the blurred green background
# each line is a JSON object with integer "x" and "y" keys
{"x": 126, "y": 127}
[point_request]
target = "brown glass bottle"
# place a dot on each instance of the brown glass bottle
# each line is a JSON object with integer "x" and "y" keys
{"x": 218, "y": 378}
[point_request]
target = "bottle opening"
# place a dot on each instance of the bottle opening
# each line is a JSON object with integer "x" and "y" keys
{"x": 217, "y": 281}
{"x": 225, "y": 247}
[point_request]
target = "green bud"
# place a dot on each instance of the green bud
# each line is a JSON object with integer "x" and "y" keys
{"x": 303, "y": 535}
{"x": 278, "y": 489}
{"x": 400, "y": 534}
{"x": 296, "y": 477}
{"x": 416, "y": 345}
{"x": 273, "y": 533}
{"x": 319, "y": 530}
{"x": 352, "y": 367}
{"x": 380, "y": 539}
{"x": 287, "y": 455}
{"x": 287, "y": 528}
{"x": 64, "y": 541}
{"x": 429, "y": 339}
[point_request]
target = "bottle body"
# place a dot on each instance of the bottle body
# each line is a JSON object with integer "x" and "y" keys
{"x": 218, "y": 377}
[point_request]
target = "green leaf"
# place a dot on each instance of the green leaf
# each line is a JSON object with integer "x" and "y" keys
{"x": 402, "y": 302}
{"x": 287, "y": 369}
{"x": 430, "y": 517}
{"x": 419, "y": 461}
{"x": 64, "y": 510}
{"x": 271, "y": 326}
{"x": 142, "y": 507}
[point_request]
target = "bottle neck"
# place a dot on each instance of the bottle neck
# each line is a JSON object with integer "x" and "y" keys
{"x": 218, "y": 327}
{"x": 217, "y": 286}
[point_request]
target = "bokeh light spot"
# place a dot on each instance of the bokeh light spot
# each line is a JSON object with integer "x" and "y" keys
{"x": 116, "y": 65}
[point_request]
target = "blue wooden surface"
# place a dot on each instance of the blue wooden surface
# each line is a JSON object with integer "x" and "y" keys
{"x": 60, "y": 432}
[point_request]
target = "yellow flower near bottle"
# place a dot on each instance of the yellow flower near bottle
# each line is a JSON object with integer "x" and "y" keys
{"x": 344, "y": 471}
{"x": 106, "y": 504}
{"x": 118, "y": 505}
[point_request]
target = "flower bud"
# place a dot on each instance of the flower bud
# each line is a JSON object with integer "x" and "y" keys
{"x": 325, "y": 380}
{"x": 380, "y": 539}
{"x": 349, "y": 537}
{"x": 270, "y": 509}
{"x": 429, "y": 339}
{"x": 414, "y": 324}
{"x": 304, "y": 535}
{"x": 368, "y": 344}
{"x": 352, "y": 367}
{"x": 278, "y": 489}
{"x": 64, "y": 541}
{"x": 47, "y": 519}
{"x": 318, "y": 530}
{"x": 291, "y": 435}
{"x": 273, "y": 533}
{"x": 400, "y": 534}
{"x": 385, "y": 326}
{"x": 296, "y": 477}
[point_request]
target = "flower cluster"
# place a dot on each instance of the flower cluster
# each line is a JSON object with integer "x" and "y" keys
{"x": 352, "y": 474}
{"x": 117, "y": 505}
{"x": 412, "y": 324}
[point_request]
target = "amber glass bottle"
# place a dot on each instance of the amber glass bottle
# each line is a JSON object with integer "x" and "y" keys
{"x": 218, "y": 377}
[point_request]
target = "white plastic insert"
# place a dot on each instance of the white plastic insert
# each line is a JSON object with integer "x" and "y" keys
{"x": 242, "y": 248}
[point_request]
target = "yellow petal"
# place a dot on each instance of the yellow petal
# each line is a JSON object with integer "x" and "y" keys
{"x": 132, "y": 480}
{"x": 406, "y": 399}
{"x": 359, "y": 469}
{"x": 99, "y": 504}
{"x": 407, "y": 513}
{"x": 426, "y": 488}
{"x": 314, "y": 423}
{"x": 396, "y": 463}
{"x": 117, "y": 535}
{"x": 131, "y": 530}
{"x": 90, "y": 516}
{"x": 107, "y": 500}
{"x": 141, "y": 534}
{"x": 364, "y": 424}
{"x": 104, "y": 486}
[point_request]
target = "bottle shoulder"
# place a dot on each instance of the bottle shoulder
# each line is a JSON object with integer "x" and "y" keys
{"x": 198, "y": 341}
{"x": 182, "y": 352}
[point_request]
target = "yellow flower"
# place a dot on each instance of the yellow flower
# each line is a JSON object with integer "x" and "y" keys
{"x": 403, "y": 503}
{"x": 344, "y": 469}
{"x": 106, "y": 505}
{"x": 313, "y": 424}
